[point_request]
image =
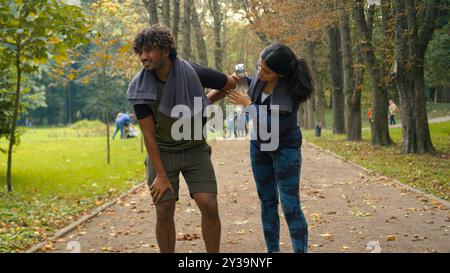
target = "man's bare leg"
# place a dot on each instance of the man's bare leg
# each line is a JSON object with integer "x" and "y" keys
{"x": 207, "y": 203}
{"x": 165, "y": 226}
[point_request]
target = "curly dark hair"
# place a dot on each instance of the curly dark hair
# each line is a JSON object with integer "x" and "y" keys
{"x": 158, "y": 36}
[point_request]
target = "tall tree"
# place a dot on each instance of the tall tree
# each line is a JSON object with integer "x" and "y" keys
{"x": 107, "y": 55}
{"x": 64, "y": 72}
{"x": 199, "y": 38}
{"x": 32, "y": 30}
{"x": 187, "y": 29}
{"x": 414, "y": 26}
{"x": 352, "y": 80}
{"x": 319, "y": 96}
{"x": 380, "y": 131}
{"x": 216, "y": 11}
{"x": 176, "y": 18}
{"x": 166, "y": 12}
{"x": 152, "y": 8}
{"x": 335, "y": 69}
{"x": 299, "y": 24}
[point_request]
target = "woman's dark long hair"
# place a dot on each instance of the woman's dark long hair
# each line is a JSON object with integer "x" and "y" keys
{"x": 282, "y": 60}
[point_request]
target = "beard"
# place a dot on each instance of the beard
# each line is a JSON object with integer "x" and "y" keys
{"x": 153, "y": 65}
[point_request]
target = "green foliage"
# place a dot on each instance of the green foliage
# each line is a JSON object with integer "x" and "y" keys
{"x": 40, "y": 28}
{"x": 437, "y": 59}
{"x": 32, "y": 31}
{"x": 6, "y": 96}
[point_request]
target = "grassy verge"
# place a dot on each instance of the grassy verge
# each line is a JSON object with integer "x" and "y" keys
{"x": 434, "y": 110}
{"x": 58, "y": 174}
{"x": 430, "y": 173}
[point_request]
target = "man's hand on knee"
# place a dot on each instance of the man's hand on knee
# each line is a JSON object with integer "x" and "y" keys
{"x": 159, "y": 187}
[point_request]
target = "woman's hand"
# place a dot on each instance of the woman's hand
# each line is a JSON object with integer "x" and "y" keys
{"x": 239, "y": 98}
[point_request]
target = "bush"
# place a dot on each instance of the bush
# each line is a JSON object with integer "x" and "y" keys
{"x": 89, "y": 128}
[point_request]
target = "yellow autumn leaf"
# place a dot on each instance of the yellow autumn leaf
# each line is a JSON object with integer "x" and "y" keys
{"x": 391, "y": 238}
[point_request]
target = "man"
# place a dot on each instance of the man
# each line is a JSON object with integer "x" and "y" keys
{"x": 164, "y": 82}
{"x": 122, "y": 121}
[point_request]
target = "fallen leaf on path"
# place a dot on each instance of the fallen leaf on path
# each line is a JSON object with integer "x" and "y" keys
{"x": 391, "y": 219}
{"x": 418, "y": 238}
{"x": 107, "y": 248}
{"x": 240, "y": 222}
{"x": 188, "y": 237}
{"x": 361, "y": 214}
{"x": 326, "y": 235}
{"x": 188, "y": 210}
{"x": 391, "y": 238}
{"x": 315, "y": 217}
{"x": 438, "y": 205}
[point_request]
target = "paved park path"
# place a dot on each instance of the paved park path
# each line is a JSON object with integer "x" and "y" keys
{"x": 348, "y": 210}
{"x": 433, "y": 120}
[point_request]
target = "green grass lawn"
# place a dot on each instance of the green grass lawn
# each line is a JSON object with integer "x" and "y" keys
{"x": 430, "y": 173}
{"x": 58, "y": 174}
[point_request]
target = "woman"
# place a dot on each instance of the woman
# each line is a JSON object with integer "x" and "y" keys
{"x": 284, "y": 81}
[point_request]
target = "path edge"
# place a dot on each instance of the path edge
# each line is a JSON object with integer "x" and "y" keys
{"x": 396, "y": 181}
{"x": 60, "y": 233}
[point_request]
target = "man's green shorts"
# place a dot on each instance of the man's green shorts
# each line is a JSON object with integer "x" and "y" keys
{"x": 195, "y": 165}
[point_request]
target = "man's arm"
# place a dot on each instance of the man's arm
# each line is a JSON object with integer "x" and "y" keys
{"x": 217, "y": 95}
{"x": 161, "y": 184}
{"x": 215, "y": 80}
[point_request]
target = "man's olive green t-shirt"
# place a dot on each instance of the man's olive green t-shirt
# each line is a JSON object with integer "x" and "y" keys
{"x": 163, "y": 123}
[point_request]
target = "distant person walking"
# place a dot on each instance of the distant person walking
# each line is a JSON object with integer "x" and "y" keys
{"x": 392, "y": 110}
{"x": 369, "y": 114}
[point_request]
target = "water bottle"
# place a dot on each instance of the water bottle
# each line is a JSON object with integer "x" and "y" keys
{"x": 242, "y": 84}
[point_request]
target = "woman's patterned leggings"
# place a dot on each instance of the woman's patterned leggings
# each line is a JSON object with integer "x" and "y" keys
{"x": 278, "y": 174}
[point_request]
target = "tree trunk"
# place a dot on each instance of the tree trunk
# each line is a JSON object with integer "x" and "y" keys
{"x": 216, "y": 12}
{"x": 176, "y": 18}
{"x": 301, "y": 116}
{"x": 412, "y": 34}
{"x": 105, "y": 89}
{"x": 152, "y": 8}
{"x": 66, "y": 102}
{"x": 319, "y": 96}
{"x": 352, "y": 81}
{"x": 380, "y": 131}
{"x": 311, "y": 113}
{"x": 217, "y": 15}
{"x": 335, "y": 69}
{"x": 12, "y": 137}
{"x": 187, "y": 30}
{"x": 68, "y": 119}
{"x": 199, "y": 37}
{"x": 166, "y": 12}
